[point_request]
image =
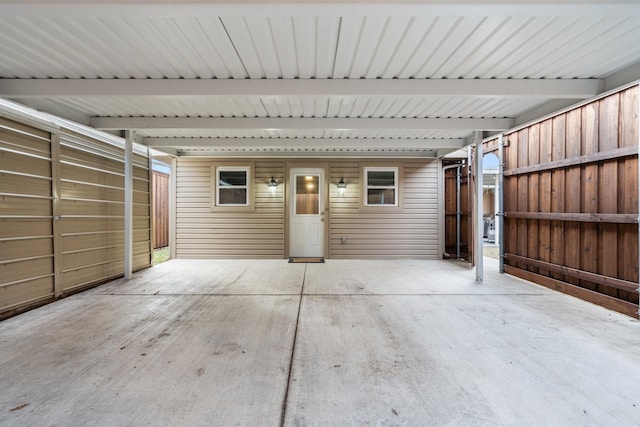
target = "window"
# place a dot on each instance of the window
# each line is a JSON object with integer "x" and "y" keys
{"x": 232, "y": 186}
{"x": 381, "y": 186}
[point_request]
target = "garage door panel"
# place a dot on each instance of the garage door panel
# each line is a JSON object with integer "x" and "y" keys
{"x": 11, "y": 228}
{"x": 25, "y": 248}
{"x": 92, "y": 256}
{"x": 75, "y": 190}
{"x": 24, "y": 129}
{"x": 20, "y": 184}
{"x": 15, "y": 141}
{"x": 91, "y": 160}
{"x": 25, "y": 206}
{"x": 90, "y": 225}
{"x": 25, "y": 293}
{"x": 141, "y": 198}
{"x": 82, "y": 174}
{"x": 19, "y": 163}
{"x": 91, "y": 274}
{"x": 94, "y": 208}
{"x": 24, "y": 270}
{"x": 92, "y": 241}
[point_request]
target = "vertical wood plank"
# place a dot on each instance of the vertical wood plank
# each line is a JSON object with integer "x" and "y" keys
{"x": 629, "y": 105}
{"x": 589, "y": 191}
{"x": 544, "y": 226}
{"x": 511, "y": 195}
{"x": 533, "y": 195}
{"x": 608, "y": 188}
{"x": 571, "y": 193}
{"x": 523, "y": 196}
{"x": 558, "y": 152}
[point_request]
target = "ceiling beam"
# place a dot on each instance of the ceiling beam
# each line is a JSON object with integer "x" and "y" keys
{"x": 501, "y": 88}
{"x": 124, "y": 123}
{"x": 163, "y": 8}
{"x": 430, "y": 143}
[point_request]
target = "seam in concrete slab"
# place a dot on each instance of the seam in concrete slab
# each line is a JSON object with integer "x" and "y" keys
{"x": 429, "y": 295}
{"x": 293, "y": 352}
{"x": 191, "y": 295}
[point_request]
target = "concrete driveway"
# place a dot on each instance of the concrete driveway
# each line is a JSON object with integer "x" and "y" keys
{"x": 253, "y": 343}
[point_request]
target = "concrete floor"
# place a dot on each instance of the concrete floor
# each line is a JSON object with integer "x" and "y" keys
{"x": 252, "y": 343}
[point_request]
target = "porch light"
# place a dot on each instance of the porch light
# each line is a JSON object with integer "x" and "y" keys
{"x": 341, "y": 187}
{"x": 272, "y": 185}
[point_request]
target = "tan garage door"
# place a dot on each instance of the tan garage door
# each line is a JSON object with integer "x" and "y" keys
{"x": 52, "y": 245}
{"x": 92, "y": 210}
{"x": 26, "y": 230}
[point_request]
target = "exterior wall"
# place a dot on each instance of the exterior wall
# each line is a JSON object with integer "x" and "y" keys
{"x": 386, "y": 233}
{"x": 376, "y": 233}
{"x": 571, "y": 201}
{"x": 62, "y": 212}
{"x": 202, "y": 233}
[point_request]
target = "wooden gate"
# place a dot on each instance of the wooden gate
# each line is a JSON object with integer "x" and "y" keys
{"x": 458, "y": 211}
{"x": 160, "y": 209}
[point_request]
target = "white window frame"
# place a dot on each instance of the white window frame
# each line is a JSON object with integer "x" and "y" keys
{"x": 247, "y": 187}
{"x": 367, "y": 187}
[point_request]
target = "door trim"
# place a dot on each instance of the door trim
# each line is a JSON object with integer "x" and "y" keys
{"x": 287, "y": 202}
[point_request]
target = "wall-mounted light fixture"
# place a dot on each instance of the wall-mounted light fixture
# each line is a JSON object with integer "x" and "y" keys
{"x": 341, "y": 187}
{"x": 272, "y": 185}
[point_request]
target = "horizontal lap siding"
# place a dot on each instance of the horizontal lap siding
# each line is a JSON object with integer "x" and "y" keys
{"x": 26, "y": 233}
{"x": 602, "y": 187}
{"x": 201, "y": 233}
{"x": 92, "y": 209}
{"x": 409, "y": 233}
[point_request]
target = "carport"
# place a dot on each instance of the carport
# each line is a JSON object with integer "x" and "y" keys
{"x": 235, "y": 342}
{"x": 350, "y": 133}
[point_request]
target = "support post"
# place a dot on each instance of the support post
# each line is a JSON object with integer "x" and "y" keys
{"x": 173, "y": 181}
{"x": 638, "y": 161}
{"x": 479, "y": 209}
{"x": 58, "y": 287}
{"x": 128, "y": 204}
{"x": 458, "y": 213}
{"x": 500, "y": 196}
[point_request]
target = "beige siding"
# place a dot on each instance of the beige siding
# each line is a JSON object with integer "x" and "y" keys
{"x": 26, "y": 234}
{"x": 407, "y": 232}
{"x": 202, "y": 233}
{"x": 92, "y": 209}
{"x": 386, "y": 233}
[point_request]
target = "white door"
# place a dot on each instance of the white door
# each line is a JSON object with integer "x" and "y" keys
{"x": 306, "y": 225}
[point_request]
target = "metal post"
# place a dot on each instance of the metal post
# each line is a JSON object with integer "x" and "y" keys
{"x": 172, "y": 207}
{"x": 500, "y": 196}
{"x": 638, "y": 161}
{"x": 479, "y": 210}
{"x": 458, "y": 213}
{"x": 128, "y": 205}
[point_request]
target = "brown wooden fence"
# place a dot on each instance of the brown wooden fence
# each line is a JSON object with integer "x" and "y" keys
{"x": 571, "y": 201}
{"x": 161, "y": 209}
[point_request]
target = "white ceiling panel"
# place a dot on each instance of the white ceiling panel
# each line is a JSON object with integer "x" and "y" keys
{"x": 307, "y": 41}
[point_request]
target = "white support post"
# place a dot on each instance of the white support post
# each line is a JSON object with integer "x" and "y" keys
{"x": 173, "y": 185}
{"x": 500, "y": 198}
{"x": 128, "y": 204}
{"x": 479, "y": 210}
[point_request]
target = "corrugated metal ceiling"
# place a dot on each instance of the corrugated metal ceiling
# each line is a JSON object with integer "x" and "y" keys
{"x": 236, "y": 45}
